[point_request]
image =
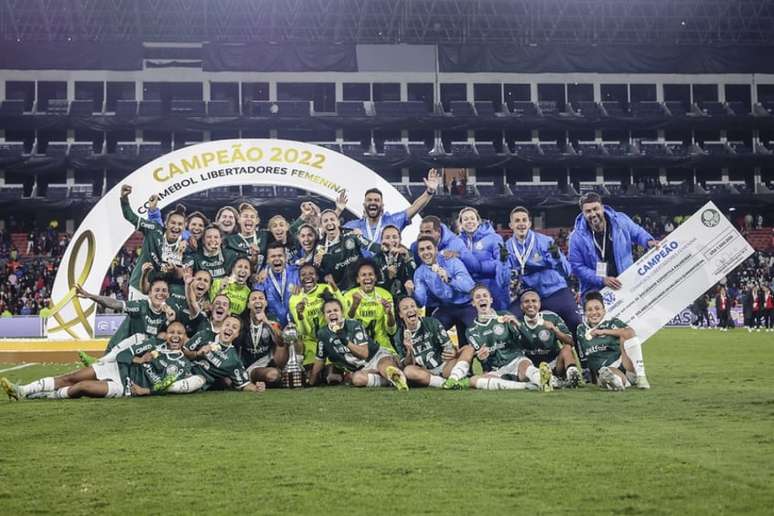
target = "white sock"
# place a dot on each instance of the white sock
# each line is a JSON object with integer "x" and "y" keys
{"x": 567, "y": 372}
{"x": 187, "y": 385}
{"x": 497, "y": 384}
{"x": 633, "y": 349}
{"x": 533, "y": 374}
{"x": 61, "y": 394}
{"x": 43, "y": 385}
{"x": 460, "y": 370}
{"x": 436, "y": 381}
{"x": 376, "y": 380}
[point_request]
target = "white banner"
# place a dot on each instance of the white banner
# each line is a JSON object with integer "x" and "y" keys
{"x": 190, "y": 170}
{"x": 687, "y": 262}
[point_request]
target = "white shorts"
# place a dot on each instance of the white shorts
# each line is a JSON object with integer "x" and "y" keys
{"x": 107, "y": 371}
{"x": 261, "y": 362}
{"x": 374, "y": 362}
{"x": 511, "y": 368}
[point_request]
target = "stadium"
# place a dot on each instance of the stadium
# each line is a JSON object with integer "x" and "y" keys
{"x": 271, "y": 257}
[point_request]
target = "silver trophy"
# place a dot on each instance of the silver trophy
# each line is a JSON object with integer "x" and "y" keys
{"x": 293, "y": 374}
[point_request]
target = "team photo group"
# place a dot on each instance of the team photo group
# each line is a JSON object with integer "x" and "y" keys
{"x": 219, "y": 302}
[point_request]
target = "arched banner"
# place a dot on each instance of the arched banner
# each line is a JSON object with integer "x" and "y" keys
{"x": 190, "y": 170}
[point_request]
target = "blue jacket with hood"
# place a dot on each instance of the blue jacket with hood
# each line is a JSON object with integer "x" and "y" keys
{"x": 583, "y": 253}
{"x": 542, "y": 272}
{"x": 451, "y": 242}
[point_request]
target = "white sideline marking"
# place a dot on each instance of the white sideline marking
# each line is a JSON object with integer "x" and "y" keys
{"x": 18, "y": 367}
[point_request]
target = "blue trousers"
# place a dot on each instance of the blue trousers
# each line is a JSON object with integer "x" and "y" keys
{"x": 459, "y": 316}
{"x": 562, "y": 302}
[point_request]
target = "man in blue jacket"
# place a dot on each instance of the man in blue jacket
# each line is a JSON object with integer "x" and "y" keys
{"x": 539, "y": 265}
{"x": 447, "y": 243}
{"x": 375, "y": 218}
{"x": 443, "y": 285}
{"x": 601, "y": 244}
{"x": 281, "y": 279}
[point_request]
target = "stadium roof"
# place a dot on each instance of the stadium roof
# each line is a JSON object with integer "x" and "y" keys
{"x": 527, "y": 22}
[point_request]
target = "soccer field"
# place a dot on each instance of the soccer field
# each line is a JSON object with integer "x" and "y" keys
{"x": 701, "y": 441}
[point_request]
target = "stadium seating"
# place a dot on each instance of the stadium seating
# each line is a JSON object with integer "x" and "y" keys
{"x": 353, "y": 109}
{"x": 12, "y": 107}
{"x": 395, "y": 151}
{"x": 187, "y": 107}
{"x": 261, "y": 191}
{"x": 57, "y": 149}
{"x": 11, "y": 192}
{"x": 285, "y": 108}
{"x": 57, "y": 192}
{"x": 522, "y": 108}
{"x": 11, "y": 150}
{"x": 354, "y": 150}
{"x": 676, "y": 108}
{"x": 81, "y": 191}
{"x": 613, "y": 108}
{"x": 653, "y": 149}
{"x": 81, "y": 150}
{"x": 590, "y": 149}
{"x": 647, "y": 109}
{"x": 588, "y": 109}
{"x": 737, "y": 108}
{"x": 462, "y": 150}
{"x": 485, "y": 109}
{"x": 535, "y": 190}
{"x": 149, "y": 151}
{"x": 126, "y": 108}
{"x": 150, "y": 108}
{"x": 127, "y": 150}
{"x": 221, "y": 108}
{"x": 547, "y": 108}
{"x": 287, "y": 192}
{"x": 418, "y": 150}
{"x": 717, "y": 148}
{"x": 81, "y": 107}
{"x": 526, "y": 149}
{"x": 225, "y": 193}
{"x": 713, "y": 108}
{"x": 411, "y": 108}
{"x": 57, "y": 107}
{"x": 461, "y": 108}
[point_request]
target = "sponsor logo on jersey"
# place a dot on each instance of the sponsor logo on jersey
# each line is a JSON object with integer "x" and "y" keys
{"x": 499, "y": 330}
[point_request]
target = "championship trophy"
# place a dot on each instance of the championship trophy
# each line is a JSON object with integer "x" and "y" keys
{"x": 293, "y": 374}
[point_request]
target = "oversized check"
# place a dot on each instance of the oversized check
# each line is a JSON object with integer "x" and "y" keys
{"x": 687, "y": 262}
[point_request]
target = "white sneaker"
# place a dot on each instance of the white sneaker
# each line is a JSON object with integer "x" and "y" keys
{"x": 609, "y": 380}
{"x": 642, "y": 382}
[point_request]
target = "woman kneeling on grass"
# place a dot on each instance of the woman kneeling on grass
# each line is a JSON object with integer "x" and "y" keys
{"x": 609, "y": 348}
{"x": 144, "y": 368}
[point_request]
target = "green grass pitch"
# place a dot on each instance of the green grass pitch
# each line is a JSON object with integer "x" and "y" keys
{"x": 700, "y": 442}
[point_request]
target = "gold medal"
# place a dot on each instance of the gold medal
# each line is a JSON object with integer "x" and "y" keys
{"x": 154, "y": 354}
{"x": 214, "y": 346}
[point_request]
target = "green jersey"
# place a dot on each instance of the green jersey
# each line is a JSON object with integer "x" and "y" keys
{"x": 502, "y": 339}
{"x": 204, "y": 336}
{"x": 340, "y": 255}
{"x": 333, "y": 346}
{"x": 141, "y": 319}
{"x": 240, "y": 245}
{"x": 218, "y": 364}
{"x": 155, "y": 247}
{"x": 310, "y": 322}
{"x": 256, "y": 341}
{"x": 602, "y": 350}
{"x": 430, "y": 341}
{"x": 372, "y": 315}
{"x": 237, "y": 295}
{"x": 218, "y": 264}
{"x": 404, "y": 271}
{"x": 540, "y": 344}
{"x": 166, "y": 363}
{"x": 183, "y": 315}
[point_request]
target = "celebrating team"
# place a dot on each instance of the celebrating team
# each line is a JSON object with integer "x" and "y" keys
{"x": 232, "y": 306}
